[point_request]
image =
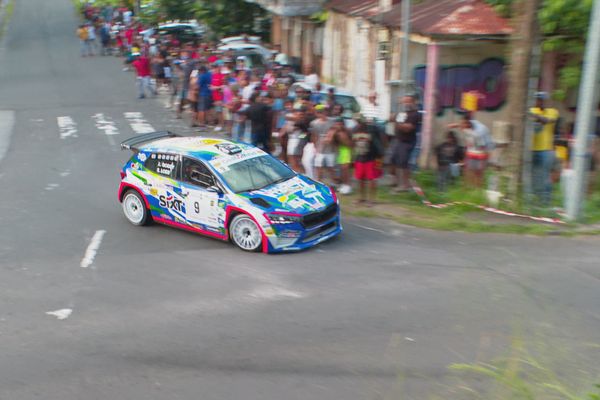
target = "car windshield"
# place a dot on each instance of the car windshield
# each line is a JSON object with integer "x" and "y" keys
{"x": 256, "y": 173}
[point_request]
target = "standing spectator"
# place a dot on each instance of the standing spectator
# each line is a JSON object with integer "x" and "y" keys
{"x": 258, "y": 114}
{"x": 294, "y": 135}
{"x": 91, "y": 38}
{"x": 371, "y": 110}
{"x": 192, "y": 94}
{"x": 325, "y": 158}
{"x": 543, "y": 147}
{"x": 477, "y": 140}
{"x": 216, "y": 86}
{"x": 344, "y": 154}
{"x": 406, "y": 125}
{"x": 105, "y": 38}
{"x": 311, "y": 79}
{"x": 82, "y": 34}
{"x": 449, "y": 154}
{"x": 142, "y": 69}
{"x": 316, "y": 97}
{"x": 280, "y": 58}
{"x": 368, "y": 149}
{"x": 127, "y": 14}
{"x": 186, "y": 65}
{"x": 204, "y": 94}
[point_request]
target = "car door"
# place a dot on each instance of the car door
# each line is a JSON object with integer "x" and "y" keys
{"x": 203, "y": 198}
{"x": 162, "y": 185}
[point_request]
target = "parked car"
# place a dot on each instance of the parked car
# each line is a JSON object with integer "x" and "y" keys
{"x": 343, "y": 97}
{"x": 183, "y": 31}
{"x": 240, "y": 39}
{"x": 226, "y": 190}
{"x": 258, "y": 56}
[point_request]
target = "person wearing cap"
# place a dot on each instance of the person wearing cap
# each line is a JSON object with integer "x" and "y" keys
{"x": 542, "y": 147}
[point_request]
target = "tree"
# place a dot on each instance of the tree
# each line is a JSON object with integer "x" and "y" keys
{"x": 564, "y": 25}
{"x": 232, "y": 17}
{"x": 522, "y": 42}
{"x": 177, "y": 9}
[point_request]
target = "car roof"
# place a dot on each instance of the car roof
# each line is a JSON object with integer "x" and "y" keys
{"x": 242, "y": 46}
{"x": 202, "y": 148}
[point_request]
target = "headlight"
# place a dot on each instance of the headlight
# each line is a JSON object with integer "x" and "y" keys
{"x": 279, "y": 219}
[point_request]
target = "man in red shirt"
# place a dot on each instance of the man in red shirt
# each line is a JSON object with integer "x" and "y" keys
{"x": 142, "y": 70}
{"x": 216, "y": 85}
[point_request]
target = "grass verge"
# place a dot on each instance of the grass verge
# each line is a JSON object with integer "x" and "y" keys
{"x": 407, "y": 208}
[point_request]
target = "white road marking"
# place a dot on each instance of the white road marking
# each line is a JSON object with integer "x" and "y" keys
{"x": 138, "y": 123}
{"x": 409, "y": 339}
{"x": 51, "y": 186}
{"x": 63, "y": 313}
{"x": 67, "y": 127}
{"x": 65, "y": 173}
{"x": 369, "y": 228}
{"x": 92, "y": 249}
{"x": 105, "y": 124}
{"x": 7, "y": 122}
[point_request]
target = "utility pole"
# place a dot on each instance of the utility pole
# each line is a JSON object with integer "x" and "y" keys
{"x": 586, "y": 104}
{"x": 522, "y": 43}
{"x": 404, "y": 71}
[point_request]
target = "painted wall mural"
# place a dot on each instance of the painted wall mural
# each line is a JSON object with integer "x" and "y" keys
{"x": 488, "y": 77}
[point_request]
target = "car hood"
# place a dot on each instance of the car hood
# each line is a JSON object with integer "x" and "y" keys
{"x": 300, "y": 195}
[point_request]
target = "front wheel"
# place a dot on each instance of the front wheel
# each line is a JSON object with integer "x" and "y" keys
{"x": 135, "y": 209}
{"x": 245, "y": 233}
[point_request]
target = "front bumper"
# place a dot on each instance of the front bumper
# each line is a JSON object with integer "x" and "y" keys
{"x": 295, "y": 237}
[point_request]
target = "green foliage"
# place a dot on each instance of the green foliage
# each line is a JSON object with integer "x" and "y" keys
{"x": 520, "y": 375}
{"x": 502, "y": 7}
{"x": 564, "y": 24}
{"x": 233, "y": 17}
{"x": 176, "y": 9}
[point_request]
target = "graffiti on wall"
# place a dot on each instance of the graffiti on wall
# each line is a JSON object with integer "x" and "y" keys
{"x": 488, "y": 78}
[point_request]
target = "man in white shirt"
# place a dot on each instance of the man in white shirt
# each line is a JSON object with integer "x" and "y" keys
{"x": 371, "y": 110}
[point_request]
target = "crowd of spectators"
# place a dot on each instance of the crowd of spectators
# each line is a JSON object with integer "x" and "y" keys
{"x": 303, "y": 124}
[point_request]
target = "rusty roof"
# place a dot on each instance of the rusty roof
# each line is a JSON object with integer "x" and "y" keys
{"x": 450, "y": 17}
{"x": 358, "y": 8}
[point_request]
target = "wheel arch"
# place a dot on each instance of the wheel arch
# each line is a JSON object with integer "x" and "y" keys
{"x": 125, "y": 187}
{"x": 232, "y": 211}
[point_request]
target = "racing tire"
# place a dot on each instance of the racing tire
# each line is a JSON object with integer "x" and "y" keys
{"x": 135, "y": 209}
{"x": 245, "y": 233}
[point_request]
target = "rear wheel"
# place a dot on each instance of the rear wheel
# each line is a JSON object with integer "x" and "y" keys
{"x": 245, "y": 233}
{"x": 135, "y": 209}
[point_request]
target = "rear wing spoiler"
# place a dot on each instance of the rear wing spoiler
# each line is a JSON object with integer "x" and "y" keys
{"x": 134, "y": 142}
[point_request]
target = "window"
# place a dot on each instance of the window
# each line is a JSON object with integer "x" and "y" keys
{"x": 164, "y": 164}
{"x": 196, "y": 173}
{"x": 256, "y": 173}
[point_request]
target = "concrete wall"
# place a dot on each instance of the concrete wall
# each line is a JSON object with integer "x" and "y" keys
{"x": 463, "y": 67}
{"x": 349, "y": 51}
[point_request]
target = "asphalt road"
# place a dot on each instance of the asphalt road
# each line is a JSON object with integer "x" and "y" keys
{"x": 163, "y": 314}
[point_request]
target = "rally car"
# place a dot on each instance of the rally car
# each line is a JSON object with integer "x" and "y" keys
{"x": 227, "y": 190}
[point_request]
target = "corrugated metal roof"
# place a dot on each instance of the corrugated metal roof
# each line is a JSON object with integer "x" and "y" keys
{"x": 450, "y": 17}
{"x": 359, "y": 8}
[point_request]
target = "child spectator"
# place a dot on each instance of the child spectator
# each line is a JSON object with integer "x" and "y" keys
{"x": 449, "y": 154}
{"x": 344, "y": 154}
{"x": 368, "y": 149}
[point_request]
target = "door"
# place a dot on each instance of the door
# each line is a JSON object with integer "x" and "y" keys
{"x": 202, "y": 196}
{"x": 162, "y": 186}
